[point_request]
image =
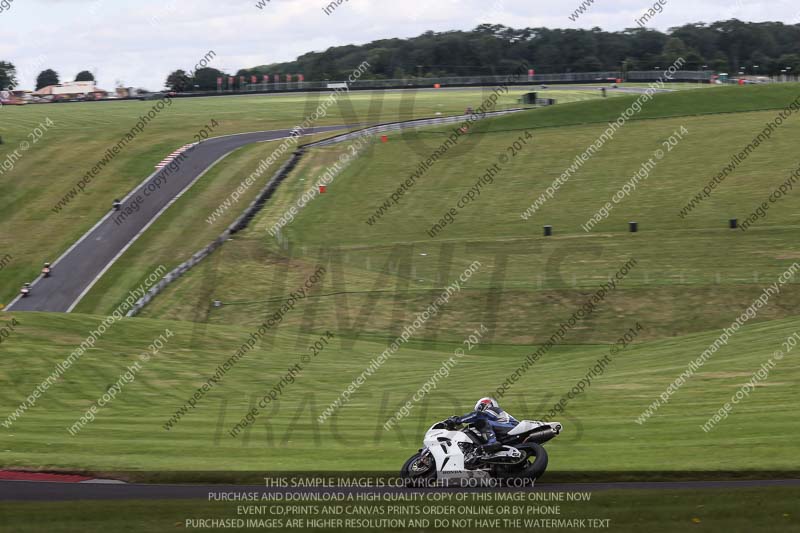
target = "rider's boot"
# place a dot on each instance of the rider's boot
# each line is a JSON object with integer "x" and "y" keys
{"x": 491, "y": 445}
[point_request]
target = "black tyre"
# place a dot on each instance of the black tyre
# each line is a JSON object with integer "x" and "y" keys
{"x": 537, "y": 460}
{"x": 420, "y": 466}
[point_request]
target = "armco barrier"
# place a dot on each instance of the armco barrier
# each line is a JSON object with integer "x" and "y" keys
{"x": 268, "y": 190}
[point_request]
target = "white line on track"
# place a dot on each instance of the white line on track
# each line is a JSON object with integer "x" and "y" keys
{"x": 152, "y": 220}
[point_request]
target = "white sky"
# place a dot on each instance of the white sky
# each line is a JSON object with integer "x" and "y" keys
{"x": 141, "y": 42}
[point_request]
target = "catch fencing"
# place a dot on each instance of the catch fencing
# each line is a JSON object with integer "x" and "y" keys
{"x": 472, "y": 81}
{"x": 680, "y": 75}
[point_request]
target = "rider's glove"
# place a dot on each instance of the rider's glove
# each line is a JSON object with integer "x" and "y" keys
{"x": 453, "y": 421}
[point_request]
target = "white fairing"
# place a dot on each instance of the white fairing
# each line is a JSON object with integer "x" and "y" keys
{"x": 448, "y": 455}
{"x": 443, "y": 444}
{"x": 529, "y": 425}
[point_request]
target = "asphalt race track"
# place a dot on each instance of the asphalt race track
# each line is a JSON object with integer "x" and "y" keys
{"x": 79, "y": 268}
{"x": 47, "y": 491}
{"x": 84, "y": 263}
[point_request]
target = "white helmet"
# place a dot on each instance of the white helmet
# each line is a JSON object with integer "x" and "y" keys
{"x": 486, "y": 403}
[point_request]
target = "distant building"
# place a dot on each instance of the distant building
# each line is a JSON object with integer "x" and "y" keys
{"x": 14, "y": 97}
{"x": 124, "y": 92}
{"x": 70, "y": 90}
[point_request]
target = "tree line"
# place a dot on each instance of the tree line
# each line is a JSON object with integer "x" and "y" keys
{"x": 727, "y": 46}
{"x": 766, "y": 48}
{"x": 8, "y": 77}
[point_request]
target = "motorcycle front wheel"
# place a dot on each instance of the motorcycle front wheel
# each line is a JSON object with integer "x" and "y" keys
{"x": 419, "y": 466}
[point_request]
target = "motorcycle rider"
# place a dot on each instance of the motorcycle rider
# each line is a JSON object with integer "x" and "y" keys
{"x": 46, "y": 270}
{"x": 25, "y": 290}
{"x": 486, "y": 418}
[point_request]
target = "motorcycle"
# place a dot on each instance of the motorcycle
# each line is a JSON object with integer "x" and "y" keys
{"x": 25, "y": 290}
{"x": 115, "y": 205}
{"x": 46, "y": 270}
{"x": 451, "y": 452}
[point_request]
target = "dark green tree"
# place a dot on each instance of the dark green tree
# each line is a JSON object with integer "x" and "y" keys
{"x": 789, "y": 62}
{"x": 205, "y": 79}
{"x": 8, "y": 75}
{"x": 84, "y": 75}
{"x": 46, "y": 78}
{"x": 179, "y": 81}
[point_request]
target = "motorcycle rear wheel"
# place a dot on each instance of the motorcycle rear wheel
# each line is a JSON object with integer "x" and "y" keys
{"x": 535, "y": 468}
